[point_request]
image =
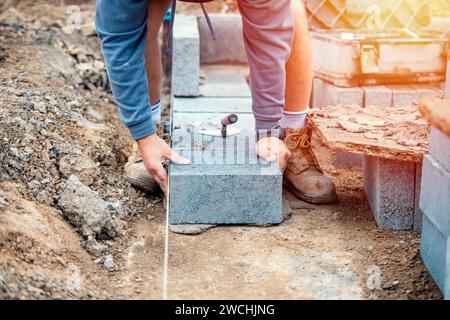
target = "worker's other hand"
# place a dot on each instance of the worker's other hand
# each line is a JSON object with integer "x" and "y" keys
{"x": 154, "y": 152}
{"x": 273, "y": 149}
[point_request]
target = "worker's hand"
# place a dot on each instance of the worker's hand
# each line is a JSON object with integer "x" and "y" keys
{"x": 273, "y": 149}
{"x": 155, "y": 151}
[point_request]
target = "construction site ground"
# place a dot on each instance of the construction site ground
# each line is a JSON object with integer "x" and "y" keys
{"x": 323, "y": 252}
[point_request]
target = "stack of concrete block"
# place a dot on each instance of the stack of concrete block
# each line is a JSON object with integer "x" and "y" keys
{"x": 327, "y": 94}
{"x": 392, "y": 188}
{"x": 228, "y": 47}
{"x": 185, "y": 56}
{"x": 435, "y": 204}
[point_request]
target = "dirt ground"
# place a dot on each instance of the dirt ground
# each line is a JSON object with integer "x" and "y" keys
{"x": 52, "y": 109}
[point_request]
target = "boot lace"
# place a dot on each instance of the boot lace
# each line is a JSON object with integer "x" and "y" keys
{"x": 301, "y": 140}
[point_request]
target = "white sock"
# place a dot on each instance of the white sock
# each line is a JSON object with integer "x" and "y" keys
{"x": 293, "y": 120}
{"x": 156, "y": 112}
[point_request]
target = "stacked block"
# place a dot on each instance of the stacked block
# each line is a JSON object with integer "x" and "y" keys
{"x": 185, "y": 56}
{"x": 391, "y": 187}
{"x": 435, "y": 205}
{"x": 229, "y": 44}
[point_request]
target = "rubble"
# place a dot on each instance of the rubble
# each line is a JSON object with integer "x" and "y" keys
{"x": 81, "y": 166}
{"x": 391, "y": 133}
{"x": 88, "y": 212}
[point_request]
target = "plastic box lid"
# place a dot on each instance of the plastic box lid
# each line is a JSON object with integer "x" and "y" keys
{"x": 368, "y": 14}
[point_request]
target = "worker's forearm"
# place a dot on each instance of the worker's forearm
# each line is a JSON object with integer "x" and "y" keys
{"x": 121, "y": 26}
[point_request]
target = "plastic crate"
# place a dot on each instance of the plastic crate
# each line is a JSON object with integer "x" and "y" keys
{"x": 349, "y": 58}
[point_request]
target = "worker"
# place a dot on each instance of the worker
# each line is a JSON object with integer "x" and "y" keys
{"x": 279, "y": 57}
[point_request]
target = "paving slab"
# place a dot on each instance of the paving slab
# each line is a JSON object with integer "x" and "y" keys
{"x": 380, "y": 96}
{"x": 186, "y": 56}
{"x": 210, "y": 121}
{"x": 403, "y": 95}
{"x": 435, "y": 253}
{"x": 224, "y": 184}
{"x": 437, "y": 112}
{"x": 224, "y": 81}
{"x": 211, "y": 105}
{"x": 435, "y": 194}
{"x": 391, "y": 133}
{"x": 228, "y": 47}
{"x": 326, "y": 94}
{"x": 440, "y": 148}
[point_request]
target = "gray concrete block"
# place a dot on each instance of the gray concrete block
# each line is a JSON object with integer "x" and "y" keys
{"x": 185, "y": 56}
{"x": 211, "y": 105}
{"x": 218, "y": 189}
{"x": 229, "y": 44}
{"x": 326, "y": 94}
{"x": 379, "y": 96}
{"x": 225, "y": 81}
{"x": 428, "y": 91}
{"x": 403, "y": 95}
{"x": 440, "y": 147}
{"x": 418, "y": 213}
{"x": 435, "y": 253}
{"x": 199, "y": 121}
{"x": 435, "y": 194}
{"x": 345, "y": 159}
{"x": 390, "y": 190}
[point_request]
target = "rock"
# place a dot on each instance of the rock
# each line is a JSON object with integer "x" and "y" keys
{"x": 44, "y": 197}
{"x": 41, "y": 107}
{"x": 88, "y": 212}
{"x": 12, "y": 17}
{"x": 338, "y": 216}
{"x": 109, "y": 262}
{"x": 81, "y": 166}
{"x": 94, "y": 247}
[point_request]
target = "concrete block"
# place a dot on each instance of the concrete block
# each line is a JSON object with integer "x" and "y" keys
{"x": 440, "y": 148}
{"x": 199, "y": 121}
{"x": 185, "y": 56}
{"x": 379, "y": 96}
{"x": 211, "y": 105}
{"x": 390, "y": 190}
{"x": 435, "y": 194}
{"x": 345, "y": 159}
{"x": 228, "y": 81}
{"x": 428, "y": 91}
{"x": 435, "y": 253}
{"x": 326, "y": 94}
{"x": 418, "y": 213}
{"x": 229, "y": 44}
{"x": 217, "y": 189}
{"x": 403, "y": 95}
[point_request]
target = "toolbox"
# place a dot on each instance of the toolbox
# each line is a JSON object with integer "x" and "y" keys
{"x": 363, "y": 57}
{"x": 374, "y": 42}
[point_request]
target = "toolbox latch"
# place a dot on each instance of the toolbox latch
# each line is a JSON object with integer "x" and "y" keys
{"x": 369, "y": 59}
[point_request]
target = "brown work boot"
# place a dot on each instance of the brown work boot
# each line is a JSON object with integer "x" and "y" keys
{"x": 135, "y": 171}
{"x": 303, "y": 175}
